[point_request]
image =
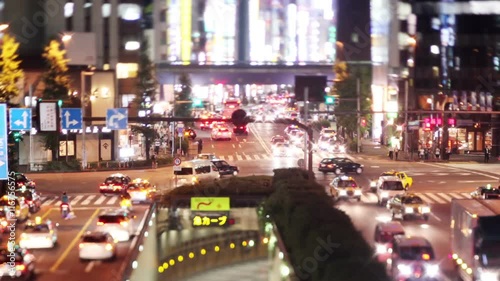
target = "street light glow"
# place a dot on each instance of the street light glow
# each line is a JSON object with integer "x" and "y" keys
{"x": 66, "y": 37}
{"x": 3, "y": 26}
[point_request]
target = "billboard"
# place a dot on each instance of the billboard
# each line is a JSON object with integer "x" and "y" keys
{"x": 81, "y": 48}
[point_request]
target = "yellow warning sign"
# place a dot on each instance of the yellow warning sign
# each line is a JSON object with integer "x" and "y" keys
{"x": 210, "y": 204}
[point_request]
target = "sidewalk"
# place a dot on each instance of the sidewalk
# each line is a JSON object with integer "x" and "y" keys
{"x": 369, "y": 147}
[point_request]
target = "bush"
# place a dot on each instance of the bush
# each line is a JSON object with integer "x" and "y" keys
{"x": 71, "y": 165}
{"x": 306, "y": 220}
{"x": 323, "y": 123}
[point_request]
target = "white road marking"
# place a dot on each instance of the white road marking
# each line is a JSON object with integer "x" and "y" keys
{"x": 221, "y": 158}
{"x": 76, "y": 199}
{"x": 476, "y": 181}
{"x": 445, "y": 196}
{"x": 89, "y": 266}
{"x": 265, "y": 156}
{"x": 239, "y": 157}
{"x": 435, "y": 198}
{"x": 87, "y": 201}
{"x": 100, "y": 200}
{"x": 454, "y": 168}
{"x": 234, "y": 146}
{"x": 112, "y": 200}
{"x": 213, "y": 146}
{"x": 57, "y": 203}
{"x": 230, "y": 157}
{"x": 456, "y": 196}
{"x": 239, "y": 145}
{"x": 248, "y": 157}
{"x": 48, "y": 202}
{"x": 436, "y": 217}
{"x": 256, "y": 156}
{"x": 375, "y": 167}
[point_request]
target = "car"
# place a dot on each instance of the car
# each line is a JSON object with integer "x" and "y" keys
{"x": 221, "y": 134}
{"x": 384, "y": 234}
{"x": 32, "y": 198}
{"x": 323, "y": 142}
{"x": 97, "y": 245}
{"x": 345, "y": 188}
{"x": 278, "y": 139}
{"x": 21, "y": 180}
{"x": 206, "y": 156}
{"x": 38, "y": 234}
{"x": 486, "y": 192}
{"x": 328, "y": 132}
{"x": 296, "y": 136}
{"x": 115, "y": 184}
{"x": 240, "y": 130}
{"x": 16, "y": 263}
{"x": 225, "y": 169}
{"x": 339, "y": 165}
{"x": 408, "y": 206}
{"x": 335, "y": 146}
{"x": 282, "y": 149}
{"x": 412, "y": 258}
{"x": 141, "y": 190}
{"x": 291, "y": 128}
{"x": 388, "y": 187}
{"x": 18, "y": 205}
{"x": 205, "y": 125}
{"x": 118, "y": 223}
{"x": 405, "y": 179}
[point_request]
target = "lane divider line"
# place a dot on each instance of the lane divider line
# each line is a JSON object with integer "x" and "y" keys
{"x": 459, "y": 169}
{"x": 89, "y": 266}
{"x": 73, "y": 242}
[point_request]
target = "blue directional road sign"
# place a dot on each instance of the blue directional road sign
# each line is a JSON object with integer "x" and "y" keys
{"x": 4, "y": 161}
{"x": 71, "y": 119}
{"x": 20, "y": 119}
{"x": 117, "y": 119}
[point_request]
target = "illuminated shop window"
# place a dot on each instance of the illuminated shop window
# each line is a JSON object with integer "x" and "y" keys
{"x": 126, "y": 70}
{"x": 129, "y": 12}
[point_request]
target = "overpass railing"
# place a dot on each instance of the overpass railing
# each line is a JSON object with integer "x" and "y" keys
{"x": 207, "y": 253}
{"x": 281, "y": 268}
{"x": 142, "y": 249}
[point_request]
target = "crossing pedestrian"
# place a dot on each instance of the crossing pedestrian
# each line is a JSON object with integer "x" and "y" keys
{"x": 200, "y": 146}
{"x": 487, "y": 152}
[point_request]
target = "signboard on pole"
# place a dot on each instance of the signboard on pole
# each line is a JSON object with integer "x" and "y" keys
{"x": 210, "y": 204}
{"x": 413, "y": 125}
{"x": 177, "y": 163}
{"x": 48, "y": 116}
{"x": 4, "y": 161}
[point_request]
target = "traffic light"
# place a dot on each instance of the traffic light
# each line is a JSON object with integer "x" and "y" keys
{"x": 59, "y": 103}
{"x": 197, "y": 103}
{"x": 363, "y": 122}
{"x": 17, "y": 136}
{"x": 329, "y": 100}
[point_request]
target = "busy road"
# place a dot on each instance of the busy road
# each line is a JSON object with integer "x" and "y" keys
{"x": 437, "y": 184}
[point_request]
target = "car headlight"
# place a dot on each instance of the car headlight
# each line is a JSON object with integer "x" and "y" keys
{"x": 381, "y": 249}
{"x": 385, "y": 194}
{"x": 487, "y": 275}
{"x": 426, "y": 209}
{"x": 357, "y": 192}
{"x": 373, "y": 184}
{"x": 433, "y": 270}
{"x": 404, "y": 269}
{"x": 408, "y": 210}
{"x": 342, "y": 193}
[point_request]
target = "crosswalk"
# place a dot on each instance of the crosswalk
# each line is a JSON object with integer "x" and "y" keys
{"x": 428, "y": 197}
{"x": 83, "y": 200}
{"x": 265, "y": 156}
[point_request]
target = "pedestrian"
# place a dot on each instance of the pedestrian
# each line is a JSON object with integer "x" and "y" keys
{"x": 154, "y": 163}
{"x": 487, "y": 154}
{"x": 396, "y": 152}
{"x": 437, "y": 152}
{"x": 200, "y": 146}
{"x": 391, "y": 153}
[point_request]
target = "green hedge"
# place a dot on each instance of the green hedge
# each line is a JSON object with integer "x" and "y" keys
{"x": 321, "y": 240}
{"x": 75, "y": 165}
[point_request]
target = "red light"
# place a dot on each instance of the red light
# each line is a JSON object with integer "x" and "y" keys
{"x": 230, "y": 221}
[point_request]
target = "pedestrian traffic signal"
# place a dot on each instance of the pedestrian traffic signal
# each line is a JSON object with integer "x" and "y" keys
{"x": 17, "y": 136}
{"x": 59, "y": 103}
{"x": 329, "y": 100}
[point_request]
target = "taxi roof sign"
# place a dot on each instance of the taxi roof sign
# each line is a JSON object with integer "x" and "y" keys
{"x": 210, "y": 204}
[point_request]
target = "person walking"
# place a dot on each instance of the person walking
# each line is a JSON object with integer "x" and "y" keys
{"x": 200, "y": 146}
{"x": 487, "y": 152}
{"x": 154, "y": 163}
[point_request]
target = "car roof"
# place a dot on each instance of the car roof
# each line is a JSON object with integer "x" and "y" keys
{"x": 392, "y": 226}
{"x": 412, "y": 241}
{"x": 118, "y": 175}
{"x": 96, "y": 234}
{"x": 389, "y": 178}
{"x": 114, "y": 212}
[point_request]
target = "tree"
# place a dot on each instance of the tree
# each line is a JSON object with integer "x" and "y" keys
{"x": 183, "y": 98}
{"x": 147, "y": 84}
{"x": 57, "y": 85}
{"x": 149, "y": 133}
{"x": 341, "y": 71}
{"x": 11, "y": 73}
{"x": 347, "y": 89}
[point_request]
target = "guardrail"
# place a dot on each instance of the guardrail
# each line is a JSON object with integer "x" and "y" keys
{"x": 281, "y": 266}
{"x": 131, "y": 262}
{"x": 207, "y": 253}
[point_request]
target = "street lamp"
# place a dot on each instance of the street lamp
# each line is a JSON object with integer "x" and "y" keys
{"x": 83, "y": 102}
{"x": 3, "y": 27}
{"x": 66, "y": 37}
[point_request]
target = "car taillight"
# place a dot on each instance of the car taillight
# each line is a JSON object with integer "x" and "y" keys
{"x": 109, "y": 247}
{"x": 124, "y": 223}
{"x": 117, "y": 186}
{"x": 20, "y": 267}
{"x": 102, "y": 186}
{"x": 330, "y": 165}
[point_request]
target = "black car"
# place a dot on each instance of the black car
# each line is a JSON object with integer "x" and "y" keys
{"x": 115, "y": 184}
{"x": 486, "y": 192}
{"x": 21, "y": 180}
{"x": 339, "y": 165}
{"x": 224, "y": 168}
{"x": 240, "y": 130}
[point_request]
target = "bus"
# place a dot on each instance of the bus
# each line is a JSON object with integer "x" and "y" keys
{"x": 230, "y": 105}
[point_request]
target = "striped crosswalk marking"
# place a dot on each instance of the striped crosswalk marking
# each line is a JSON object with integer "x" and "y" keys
{"x": 57, "y": 203}
{"x": 76, "y": 199}
{"x": 445, "y": 196}
{"x": 100, "y": 200}
{"x": 456, "y": 196}
{"x": 112, "y": 200}
{"x": 239, "y": 157}
{"x": 256, "y": 156}
{"x": 49, "y": 201}
{"x": 433, "y": 197}
{"x": 230, "y": 158}
{"x": 87, "y": 201}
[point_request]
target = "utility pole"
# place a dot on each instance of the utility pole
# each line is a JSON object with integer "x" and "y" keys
{"x": 29, "y": 131}
{"x": 358, "y": 99}
{"x": 406, "y": 142}
{"x": 306, "y": 113}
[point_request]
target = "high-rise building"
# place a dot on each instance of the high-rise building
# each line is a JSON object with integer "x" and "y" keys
{"x": 353, "y": 29}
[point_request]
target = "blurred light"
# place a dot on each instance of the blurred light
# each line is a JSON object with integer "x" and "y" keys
{"x": 425, "y": 226}
{"x": 171, "y": 262}
{"x": 132, "y": 45}
{"x": 232, "y": 246}
{"x": 129, "y": 12}
{"x": 134, "y": 265}
{"x": 435, "y": 50}
{"x": 383, "y": 218}
{"x": 265, "y": 240}
{"x": 281, "y": 255}
{"x": 68, "y": 9}
{"x": 251, "y": 243}
{"x": 216, "y": 248}
{"x": 160, "y": 269}
{"x": 244, "y": 243}
{"x": 191, "y": 255}
{"x": 285, "y": 271}
{"x": 180, "y": 258}
{"x": 203, "y": 251}
{"x": 65, "y": 38}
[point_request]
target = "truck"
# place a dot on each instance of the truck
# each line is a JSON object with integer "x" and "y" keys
{"x": 475, "y": 239}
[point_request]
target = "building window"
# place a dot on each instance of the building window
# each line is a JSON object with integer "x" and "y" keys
{"x": 132, "y": 45}
{"x": 129, "y": 12}
{"x": 163, "y": 15}
{"x": 163, "y": 38}
{"x": 127, "y": 99}
{"x": 126, "y": 70}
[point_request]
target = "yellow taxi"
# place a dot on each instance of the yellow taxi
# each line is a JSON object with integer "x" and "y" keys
{"x": 345, "y": 188}
{"x": 406, "y": 180}
{"x": 15, "y": 208}
{"x": 141, "y": 190}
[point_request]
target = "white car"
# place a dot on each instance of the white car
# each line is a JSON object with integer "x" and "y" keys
{"x": 282, "y": 149}
{"x": 388, "y": 187}
{"x": 38, "y": 235}
{"x": 97, "y": 246}
{"x": 221, "y": 134}
{"x": 296, "y": 136}
{"x": 327, "y": 132}
{"x": 118, "y": 223}
{"x": 206, "y": 156}
{"x": 323, "y": 143}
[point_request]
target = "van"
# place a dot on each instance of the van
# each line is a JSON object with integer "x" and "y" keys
{"x": 194, "y": 172}
{"x": 413, "y": 258}
{"x": 388, "y": 187}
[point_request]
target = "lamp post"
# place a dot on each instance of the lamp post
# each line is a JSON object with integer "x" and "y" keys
{"x": 83, "y": 101}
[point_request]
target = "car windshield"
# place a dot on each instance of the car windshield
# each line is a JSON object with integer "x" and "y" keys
{"x": 392, "y": 185}
{"x": 328, "y": 131}
{"x": 348, "y": 183}
{"x": 111, "y": 219}
{"x": 412, "y": 200}
{"x": 416, "y": 253}
{"x": 5, "y": 256}
{"x": 94, "y": 239}
{"x": 113, "y": 180}
{"x": 327, "y": 161}
{"x": 38, "y": 228}
{"x": 184, "y": 172}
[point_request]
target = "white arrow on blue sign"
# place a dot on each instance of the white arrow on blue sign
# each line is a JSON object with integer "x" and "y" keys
{"x": 71, "y": 119}
{"x": 117, "y": 119}
{"x": 20, "y": 119}
{"x": 4, "y": 161}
